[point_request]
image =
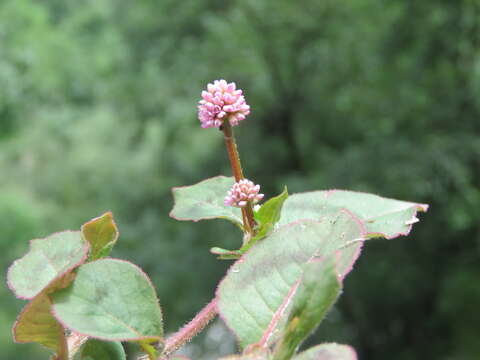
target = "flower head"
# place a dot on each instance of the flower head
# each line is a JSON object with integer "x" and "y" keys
{"x": 222, "y": 102}
{"x": 242, "y": 192}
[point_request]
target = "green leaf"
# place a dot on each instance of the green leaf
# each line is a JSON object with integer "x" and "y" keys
{"x": 383, "y": 217}
{"x": 317, "y": 292}
{"x": 47, "y": 262}
{"x": 266, "y": 218}
{"x": 149, "y": 348}
{"x": 204, "y": 201}
{"x": 37, "y": 324}
{"x": 94, "y": 349}
{"x": 328, "y": 352}
{"x": 226, "y": 254}
{"x": 102, "y": 234}
{"x": 254, "y": 296}
{"x": 255, "y": 354}
{"x": 269, "y": 213}
{"x": 110, "y": 299}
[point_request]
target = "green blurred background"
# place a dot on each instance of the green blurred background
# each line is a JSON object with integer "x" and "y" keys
{"x": 98, "y": 112}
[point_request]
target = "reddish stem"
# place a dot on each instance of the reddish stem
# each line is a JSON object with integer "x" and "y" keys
{"x": 247, "y": 211}
{"x": 191, "y": 329}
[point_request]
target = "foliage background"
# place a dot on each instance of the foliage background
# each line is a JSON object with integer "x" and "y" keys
{"x": 98, "y": 112}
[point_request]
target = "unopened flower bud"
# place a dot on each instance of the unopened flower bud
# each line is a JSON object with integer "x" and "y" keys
{"x": 242, "y": 192}
{"x": 222, "y": 101}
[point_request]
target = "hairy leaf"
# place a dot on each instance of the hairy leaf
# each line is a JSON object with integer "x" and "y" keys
{"x": 102, "y": 234}
{"x": 253, "y": 298}
{"x": 37, "y": 324}
{"x": 255, "y": 354}
{"x": 317, "y": 292}
{"x": 95, "y": 349}
{"x": 47, "y": 262}
{"x": 330, "y": 351}
{"x": 204, "y": 201}
{"x": 383, "y": 217}
{"x": 110, "y": 299}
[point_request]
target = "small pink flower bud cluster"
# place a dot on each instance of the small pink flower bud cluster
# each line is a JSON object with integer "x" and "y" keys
{"x": 222, "y": 102}
{"x": 242, "y": 192}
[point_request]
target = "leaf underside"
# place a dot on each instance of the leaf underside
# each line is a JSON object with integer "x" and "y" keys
{"x": 255, "y": 295}
{"x": 47, "y": 261}
{"x": 37, "y": 324}
{"x": 110, "y": 299}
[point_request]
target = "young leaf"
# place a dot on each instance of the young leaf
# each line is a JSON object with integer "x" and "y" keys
{"x": 94, "y": 349}
{"x": 47, "y": 262}
{"x": 383, "y": 217}
{"x": 254, "y": 296}
{"x": 37, "y": 324}
{"x": 317, "y": 292}
{"x": 266, "y": 218}
{"x": 110, "y": 299}
{"x": 269, "y": 213}
{"x": 330, "y": 351}
{"x": 204, "y": 201}
{"x": 102, "y": 234}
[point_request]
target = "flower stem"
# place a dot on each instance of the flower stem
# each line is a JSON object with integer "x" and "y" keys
{"x": 191, "y": 329}
{"x": 247, "y": 211}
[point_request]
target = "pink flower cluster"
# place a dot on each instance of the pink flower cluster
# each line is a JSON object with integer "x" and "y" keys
{"x": 222, "y": 102}
{"x": 242, "y": 192}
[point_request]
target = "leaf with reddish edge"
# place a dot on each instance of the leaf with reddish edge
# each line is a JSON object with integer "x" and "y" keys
{"x": 255, "y": 297}
{"x": 102, "y": 234}
{"x": 204, "y": 201}
{"x": 95, "y": 349}
{"x": 47, "y": 263}
{"x": 383, "y": 217}
{"x": 113, "y": 300}
{"x": 318, "y": 290}
{"x": 37, "y": 324}
{"x": 329, "y": 351}
{"x": 254, "y": 354}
